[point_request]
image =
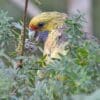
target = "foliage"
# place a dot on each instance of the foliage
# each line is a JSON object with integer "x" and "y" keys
{"x": 73, "y": 74}
{"x": 5, "y": 83}
{"x": 7, "y": 36}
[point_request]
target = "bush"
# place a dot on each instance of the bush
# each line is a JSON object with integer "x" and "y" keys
{"x": 73, "y": 74}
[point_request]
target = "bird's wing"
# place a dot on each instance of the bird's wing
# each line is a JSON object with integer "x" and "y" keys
{"x": 55, "y": 44}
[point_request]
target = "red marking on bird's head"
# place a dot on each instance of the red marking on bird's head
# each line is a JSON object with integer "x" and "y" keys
{"x": 33, "y": 27}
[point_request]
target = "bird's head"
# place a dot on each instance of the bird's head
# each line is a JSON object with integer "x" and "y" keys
{"x": 46, "y": 22}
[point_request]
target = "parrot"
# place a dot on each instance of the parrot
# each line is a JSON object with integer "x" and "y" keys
{"x": 49, "y": 28}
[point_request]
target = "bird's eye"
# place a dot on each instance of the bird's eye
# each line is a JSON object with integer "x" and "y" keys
{"x": 41, "y": 24}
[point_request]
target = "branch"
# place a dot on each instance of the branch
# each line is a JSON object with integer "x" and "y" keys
{"x": 20, "y": 49}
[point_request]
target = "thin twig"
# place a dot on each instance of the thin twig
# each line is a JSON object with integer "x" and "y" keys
{"x": 22, "y": 37}
{"x": 24, "y": 27}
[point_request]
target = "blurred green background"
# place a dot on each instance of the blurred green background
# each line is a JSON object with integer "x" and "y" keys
{"x": 52, "y": 5}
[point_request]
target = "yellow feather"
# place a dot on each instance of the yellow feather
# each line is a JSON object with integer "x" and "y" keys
{"x": 52, "y": 20}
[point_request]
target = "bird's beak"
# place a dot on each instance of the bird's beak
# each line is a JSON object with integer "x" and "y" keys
{"x": 31, "y": 34}
{"x": 38, "y": 36}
